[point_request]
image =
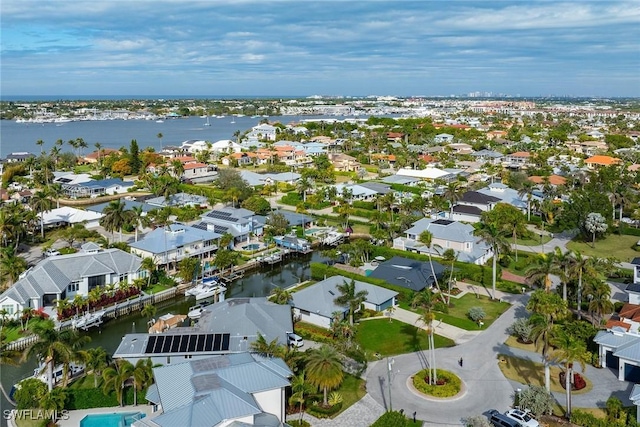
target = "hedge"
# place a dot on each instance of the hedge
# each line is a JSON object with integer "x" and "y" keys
{"x": 391, "y": 419}
{"x": 322, "y": 412}
{"x": 407, "y": 188}
{"x": 87, "y": 398}
{"x": 585, "y": 419}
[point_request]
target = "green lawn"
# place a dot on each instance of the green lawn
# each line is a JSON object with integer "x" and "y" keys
{"x": 352, "y": 389}
{"x": 614, "y": 245}
{"x": 395, "y": 337}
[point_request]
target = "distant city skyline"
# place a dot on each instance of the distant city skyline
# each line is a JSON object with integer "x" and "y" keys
{"x": 330, "y": 48}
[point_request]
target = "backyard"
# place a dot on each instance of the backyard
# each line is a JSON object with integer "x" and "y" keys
{"x": 391, "y": 338}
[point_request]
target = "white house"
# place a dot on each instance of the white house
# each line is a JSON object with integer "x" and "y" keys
{"x": 263, "y": 131}
{"x": 65, "y": 276}
{"x": 67, "y": 216}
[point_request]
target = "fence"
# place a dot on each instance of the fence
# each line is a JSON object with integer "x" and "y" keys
{"x": 122, "y": 308}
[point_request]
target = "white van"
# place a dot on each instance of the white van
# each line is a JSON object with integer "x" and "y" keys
{"x": 295, "y": 340}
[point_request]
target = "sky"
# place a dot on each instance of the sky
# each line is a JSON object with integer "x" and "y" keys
{"x": 330, "y": 48}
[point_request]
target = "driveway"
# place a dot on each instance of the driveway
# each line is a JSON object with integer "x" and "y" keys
{"x": 484, "y": 385}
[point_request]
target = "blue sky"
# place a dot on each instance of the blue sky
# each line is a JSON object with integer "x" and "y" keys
{"x": 271, "y": 48}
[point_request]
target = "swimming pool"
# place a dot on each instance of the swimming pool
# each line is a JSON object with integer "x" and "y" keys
{"x": 121, "y": 419}
{"x": 251, "y": 247}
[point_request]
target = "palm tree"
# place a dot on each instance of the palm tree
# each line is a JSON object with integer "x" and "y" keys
{"x": 563, "y": 263}
{"x": 149, "y": 265}
{"x": 580, "y": 266}
{"x": 97, "y": 361}
{"x": 51, "y": 348}
{"x": 569, "y": 350}
{"x": 53, "y": 401}
{"x": 426, "y": 302}
{"x": 350, "y": 297}
{"x": 452, "y": 193}
{"x": 40, "y": 143}
{"x": 41, "y": 203}
{"x": 99, "y": 149}
{"x": 115, "y": 217}
{"x": 139, "y": 218}
{"x": 264, "y": 348}
{"x": 324, "y": 369}
{"x": 55, "y": 191}
{"x": 299, "y": 389}
{"x": 543, "y": 269}
{"x": 426, "y": 238}
{"x": 178, "y": 168}
{"x": 527, "y": 192}
{"x": 599, "y": 295}
{"x": 149, "y": 311}
{"x": 302, "y": 187}
{"x": 115, "y": 378}
{"x": 492, "y": 237}
{"x": 11, "y": 265}
{"x": 142, "y": 377}
{"x": 160, "y": 135}
{"x": 541, "y": 331}
{"x": 281, "y": 296}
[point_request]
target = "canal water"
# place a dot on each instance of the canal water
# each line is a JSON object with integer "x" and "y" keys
{"x": 255, "y": 283}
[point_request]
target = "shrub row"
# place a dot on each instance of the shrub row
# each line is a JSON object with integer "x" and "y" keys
{"x": 451, "y": 385}
{"x": 87, "y": 398}
{"x": 322, "y": 412}
{"x": 585, "y": 419}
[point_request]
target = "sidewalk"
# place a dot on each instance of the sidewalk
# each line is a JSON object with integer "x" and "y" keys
{"x": 454, "y": 333}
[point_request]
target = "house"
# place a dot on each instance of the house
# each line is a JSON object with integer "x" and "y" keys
{"x": 505, "y": 194}
{"x": 69, "y": 178}
{"x": 96, "y": 156}
{"x": 232, "y": 390}
{"x": 553, "y": 180}
{"x": 488, "y": 156}
{"x": 19, "y": 157}
{"x": 225, "y": 146}
{"x": 256, "y": 179}
{"x": 460, "y": 148}
{"x": 95, "y": 188}
{"x": 242, "y": 159}
{"x": 67, "y": 215}
{"x": 409, "y": 273}
{"x": 316, "y": 304}
{"x": 178, "y": 199}
{"x": 429, "y": 173}
{"x": 601, "y": 160}
{"x": 471, "y": 206}
{"x": 448, "y": 235}
{"x": 518, "y": 160}
{"x": 225, "y": 327}
{"x": 65, "y": 276}
{"x": 128, "y": 205}
{"x": 344, "y": 163}
{"x": 263, "y": 132}
{"x": 443, "y": 138}
{"x": 238, "y": 222}
{"x": 175, "y": 242}
{"x": 361, "y": 192}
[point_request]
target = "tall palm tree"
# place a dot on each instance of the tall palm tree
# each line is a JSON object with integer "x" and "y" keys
{"x": 97, "y": 361}
{"x": 99, "y": 149}
{"x": 51, "y": 348}
{"x": 581, "y": 266}
{"x": 178, "y": 168}
{"x": 426, "y": 301}
{"x": 543, "y": 269}
{"x": 300, "y": 388}
{"x": 452, "y": 193}
{"x": 11, "y": 265}
{"x": 116, "y": 377}
{"x": 41, "y": 203}
{"x": 139, "y": 218}
{"x": 563, "y": 263}
{"x": 264, "y": 348}
{"x": 40, "y": 143}
{"x": 324, "y": 369}
{"x": 160, "y": 135}
{"x": 569, "y": 350}
{"x": 426, "y": 238}
{"x": 350, "y": 297}
{"x": 55, "y": 191}
{"x": 526, "y": 192}
{"x": 541, "y": 332}
{"x": 148, "y": 264}
{"x": 142, "y": 377}
{"x": 53, "y": 401}
{"x": 599, "y": 294}
{"x": 492, "y": 236}
{"x": 115, "y": 217}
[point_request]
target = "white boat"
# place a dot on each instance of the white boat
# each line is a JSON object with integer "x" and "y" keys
{"x": 333, "y": 238}
{"x": 211, "y": 291}
{"x": 88, "y": 320}
{"x": 159, "y": 121}
{"x": 198, "y": 289}
{"x": 207, "y": 124}
{"x": 233, "y": 121}
{"x": 41, "y": 373}
{"x": 195, "y": 312}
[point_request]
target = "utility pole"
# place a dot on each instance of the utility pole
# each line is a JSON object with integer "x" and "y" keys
{"x": 389, "y": 363}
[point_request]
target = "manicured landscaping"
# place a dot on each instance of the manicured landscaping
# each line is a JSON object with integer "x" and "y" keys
{"x": 620, "y": 247}
{"x": 513, "y": 342}
{"x": 532, "y": 373}
{"x": 492, "y": 309}
{"x": 448, "y": 384}
{"x": 390, "y": 338}
{"x": 352, "y": 390}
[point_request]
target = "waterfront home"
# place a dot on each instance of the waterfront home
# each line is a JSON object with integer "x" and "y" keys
{"x": 226, "y": 327}
{"x": 175, "y": 242}
{"x": 447, "y": 234}
{"x": 178, "y": 200}
{"x": 263, "y": 132}
{"x": 409, "y": 273}
{"x": 70, "y": 178}
{"x": 471, "y": 206}
{"x": 65, "y": 276}
{"x": 316, "y": 303}
{"x": 430, "y": 173}
{"x": 256, "y": 179}
{"x": 238, "y": 222}
{"x": 97, "y": 155}
{"x": 232, "y": 390}
{"x": 505, "y": 194}
{"x": 67, "y": 215}
{"x": 293, "y": 243}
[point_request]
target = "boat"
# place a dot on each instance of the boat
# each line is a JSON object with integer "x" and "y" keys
{"x": 159, "y": 121}
{"x": 57, "y": 376}
{"x": 195, "y": 312}
{"x": 233, "y": 121}
{"x": 333, "y": 237}
{"x": 207, "y": 123}
{"x": 211, "y": 291}
{"x": 165, "y": 322}
{"x": 88, "y": 320}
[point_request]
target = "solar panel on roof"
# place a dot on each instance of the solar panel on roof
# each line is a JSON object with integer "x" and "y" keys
{"x": 442, "y": 222}
{"x": 175, "y": 345}
{"x": 200, "y": 342}
{"x": 217, "y": 341}
{"x": 166, "y": 346}
{"x": 208, "y": 343}
{"x": 192, "y": 343}
{"x": 150, "y": 344}
{"x": 184, "y": 343}
{"x": 225, "y": 342}
{"x": 201, "y": 226}
{"x": 159, "y": 344}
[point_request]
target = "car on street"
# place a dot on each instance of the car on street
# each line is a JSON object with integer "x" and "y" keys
{"x": 523, "y": 417}
{"x": 51, "y": 252}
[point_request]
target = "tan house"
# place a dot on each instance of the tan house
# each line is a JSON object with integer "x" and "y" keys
{"x": 344, "y": 163}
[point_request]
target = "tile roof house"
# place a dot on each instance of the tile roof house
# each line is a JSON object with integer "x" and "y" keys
{"x": 408, "y": 273}
{"x": 316, "y": 304}
{"x": 175, "y": 242}
{"x": 517, "y": 160}
{"x": 447, "y": 234}
{"x": 231, "y": 390}
{"x": 65, "y": 276}
{"x": 601, "y": 160}
{"x": 225, "y": 327}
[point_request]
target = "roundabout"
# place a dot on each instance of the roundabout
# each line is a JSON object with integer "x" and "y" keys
{"x": 448, "y": 385}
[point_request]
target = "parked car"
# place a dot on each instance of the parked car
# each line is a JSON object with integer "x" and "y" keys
{"x": 523, "y": 417}
{"x": 295, "y": 340}
{"x": 501, "y": 420}
{"x": 51, "y": 252}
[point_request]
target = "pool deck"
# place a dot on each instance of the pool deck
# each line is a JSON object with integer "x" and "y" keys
{"x": 76, "y": 416}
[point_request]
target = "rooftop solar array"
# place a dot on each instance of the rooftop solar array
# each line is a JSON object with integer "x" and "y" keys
{"x": 201, "y": 226}
{"x": 190, "y": 343}
{"x": 225, "y": 216}
{"x": 220, "y": 229}
{"x": 442, "y": 222}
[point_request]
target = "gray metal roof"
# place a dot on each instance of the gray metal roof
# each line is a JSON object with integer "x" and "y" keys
{"x": 167, "y": 239}
{"x": 454, "y": 231}
{"x": 206, "y": 392}
{"x": 54, "y": 274}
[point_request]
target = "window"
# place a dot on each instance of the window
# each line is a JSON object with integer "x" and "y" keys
{"x": 122, "y": 278}
{"x": 74, "y": 286}
{"x": 95, "y": 281}
{"x": 9, "y": 308}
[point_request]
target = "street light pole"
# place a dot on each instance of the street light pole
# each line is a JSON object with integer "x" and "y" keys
{"x": 389, "y": 363}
